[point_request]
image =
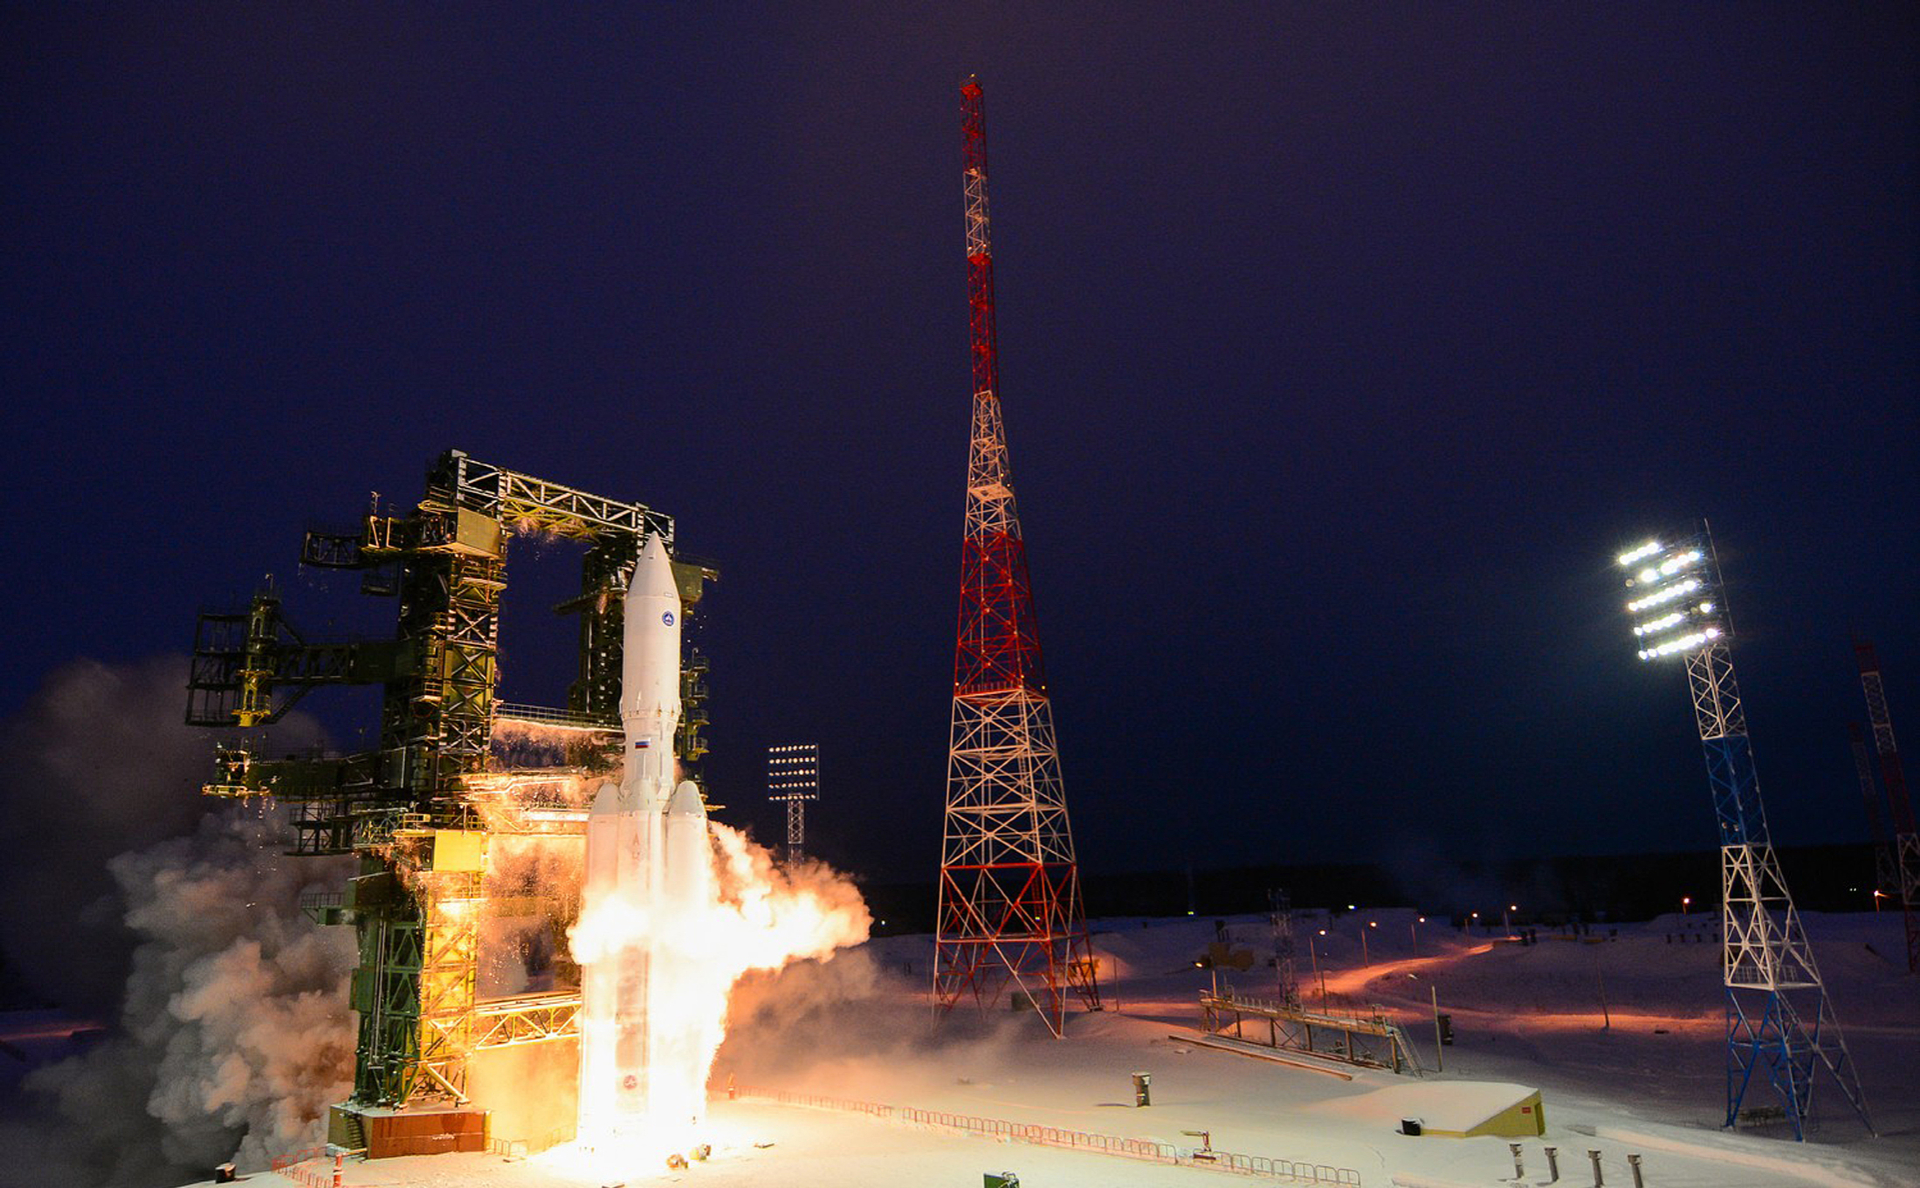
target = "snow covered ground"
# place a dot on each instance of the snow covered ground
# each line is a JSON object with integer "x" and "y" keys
{"x": 1643, "y": 1077}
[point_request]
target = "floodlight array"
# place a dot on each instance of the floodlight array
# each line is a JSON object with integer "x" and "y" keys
{"x": 1677, "y": 582}
{"x": 1685, "y": 643}
{"x": 793, "y": 770}
{"x": 1665, "y": 596}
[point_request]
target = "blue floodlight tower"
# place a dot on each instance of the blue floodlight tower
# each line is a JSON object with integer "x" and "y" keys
{"x": 1780, "y": 1022}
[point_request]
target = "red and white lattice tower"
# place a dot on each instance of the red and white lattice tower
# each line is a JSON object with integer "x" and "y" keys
{"x": 1010, "y": 912}
{"x": 1906, "y": 838}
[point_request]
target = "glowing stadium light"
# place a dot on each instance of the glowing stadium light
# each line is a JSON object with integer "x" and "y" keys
{"x": 1665, "y": 596}
{"x": 1685, "y": 643}
{"x": 1665, "y": 575}
{"x": 1673, "y": 565}
{"x": 1660, "y": 624}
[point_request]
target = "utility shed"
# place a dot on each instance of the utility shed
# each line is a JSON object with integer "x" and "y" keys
{"x": 1451, "y": 1109}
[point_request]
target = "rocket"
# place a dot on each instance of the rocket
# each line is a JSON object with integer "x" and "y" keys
{"x": 648, "y": 860}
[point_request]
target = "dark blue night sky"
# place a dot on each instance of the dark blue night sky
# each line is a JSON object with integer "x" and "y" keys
{"x": 1342, "y": 347}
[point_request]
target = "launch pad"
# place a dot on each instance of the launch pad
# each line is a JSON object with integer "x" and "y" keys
{"x": 434, "y": 807}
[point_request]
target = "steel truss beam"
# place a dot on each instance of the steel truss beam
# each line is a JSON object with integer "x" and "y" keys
{"x": 533, "y": 1019}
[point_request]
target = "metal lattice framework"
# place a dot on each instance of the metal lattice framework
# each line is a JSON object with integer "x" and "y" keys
{"x": 1280, "y": 915}
{"x": 529, "y": 1019}
{"x": 1780, "y": 1020}
{"x": 1886, "y": 874}
{"x": 410, "y": 807}
{"x": 793, "y": 778}
{"x": 1906, "y": 842}
{"x": 1010, "y": 911}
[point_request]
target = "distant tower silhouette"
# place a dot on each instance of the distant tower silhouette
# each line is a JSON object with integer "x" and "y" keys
{"x": 1010, "y": 910}
{"x": 1906, "y": 841}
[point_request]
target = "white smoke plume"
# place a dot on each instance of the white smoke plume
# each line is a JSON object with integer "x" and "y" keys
{"x": 233, "y": 1029}
{"x": 97, "y": 763}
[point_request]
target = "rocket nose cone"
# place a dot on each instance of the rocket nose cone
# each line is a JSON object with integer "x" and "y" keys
{"x": 654, "y": 572}
{"x": 653, "y": 575}
{"x": 686, "y": 801}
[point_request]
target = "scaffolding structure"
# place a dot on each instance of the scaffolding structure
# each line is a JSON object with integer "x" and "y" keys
{"x": 1370, "y": 1041}
{"x": 793, "y": 779}
{"x": 1905, "y": 856}
{"x": 1780, "y": 1020}
{"x": 1009, "y": 900}
{"x": 419, "y": 809}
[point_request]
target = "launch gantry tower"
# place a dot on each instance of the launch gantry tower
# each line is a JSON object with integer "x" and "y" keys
{"x": 1009, "y": 900}
{"x": 419, "y": 808}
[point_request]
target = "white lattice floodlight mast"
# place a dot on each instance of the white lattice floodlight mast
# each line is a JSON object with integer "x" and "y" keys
{"x": 793, "y": 777}
{"x": 1780, "y": 1021}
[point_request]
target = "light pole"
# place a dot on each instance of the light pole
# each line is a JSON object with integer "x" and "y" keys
{"x": 1780, "y": 1019}
{"x": 1507, "y": 918}
{"x": 1366, "y": 959}
{"x": 1878, "y": 895}
{"x": 1317, "y": 975}
{"x": 1476, "y": 918}
{"x": 1411, "y": 931}
{"x": 1686, "y": 901}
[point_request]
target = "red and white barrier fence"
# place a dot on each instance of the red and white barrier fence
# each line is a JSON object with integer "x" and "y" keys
{"x": 313, "y": 1167}
{"x": 1289, "y": 1170}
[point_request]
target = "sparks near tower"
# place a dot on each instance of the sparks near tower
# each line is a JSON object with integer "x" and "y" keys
{"x": 1010, "y": 909}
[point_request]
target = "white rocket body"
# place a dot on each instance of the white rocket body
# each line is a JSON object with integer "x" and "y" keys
{"x": 648, "y": 862}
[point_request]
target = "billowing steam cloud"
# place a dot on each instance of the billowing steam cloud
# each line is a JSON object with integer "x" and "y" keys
{"x": 234, "y": 1030}
{"x": 97, "y": 763}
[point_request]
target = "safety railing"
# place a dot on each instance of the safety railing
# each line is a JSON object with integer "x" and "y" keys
{"x": 1289, "y": 1170}
{"x": 313, "y": 1167}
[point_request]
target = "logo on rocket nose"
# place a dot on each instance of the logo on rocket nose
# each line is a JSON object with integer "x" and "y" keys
{"x": 666, "y": 617}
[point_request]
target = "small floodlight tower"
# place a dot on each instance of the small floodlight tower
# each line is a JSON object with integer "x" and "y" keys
{"x": 1779, "y": 1019}
{"x": 793, "y": 776}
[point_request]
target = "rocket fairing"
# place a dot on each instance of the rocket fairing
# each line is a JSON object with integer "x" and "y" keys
{"x": 648, "y": 859}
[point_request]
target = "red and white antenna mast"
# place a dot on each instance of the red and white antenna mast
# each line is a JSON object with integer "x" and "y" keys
{"x": 1010, "y": 911}
{"x": 1906, "y": 840}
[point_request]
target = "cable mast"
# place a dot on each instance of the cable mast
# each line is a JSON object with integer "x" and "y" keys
{"x": 1009, "y": 910}
{"x": 1780, "y": 1022}
{"x": 1906, "y": 842}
